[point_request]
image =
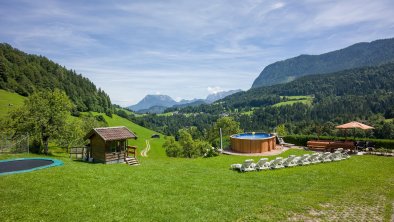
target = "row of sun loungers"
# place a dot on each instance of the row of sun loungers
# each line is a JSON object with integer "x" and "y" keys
{"x": 291, "y": 161}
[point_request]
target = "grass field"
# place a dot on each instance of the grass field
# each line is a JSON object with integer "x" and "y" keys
{"x": 175, "y": 189}
{"x": 166, "y": 189}
{"x": 166, "y": 114}
{"x": 9, "y": 100}
{"x": 295, "y": 99}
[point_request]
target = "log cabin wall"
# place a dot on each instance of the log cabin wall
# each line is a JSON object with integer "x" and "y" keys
{"x": 98, "y": 147}
{"x": 115, "y": 155}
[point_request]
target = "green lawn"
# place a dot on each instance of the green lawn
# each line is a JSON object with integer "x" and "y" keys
{"x": 9, "y": 100}
{"x": 295, "y": 99}
{"x": 248, "y": 113}
{"x": 167, "y": 189}
{"x": 166, "y": 114}
{"x": 176, "y": 189}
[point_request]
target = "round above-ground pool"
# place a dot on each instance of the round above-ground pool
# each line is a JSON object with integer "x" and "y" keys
{"x": 23, "y": 165}
{"x": 252, "y": 142}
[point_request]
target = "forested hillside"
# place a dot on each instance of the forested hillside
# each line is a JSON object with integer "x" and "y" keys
{"x": 24, "y": 74}
{"x": 357, "y": 94}
{"x": 367, "y": 81}
{"x": 358, "y": 55}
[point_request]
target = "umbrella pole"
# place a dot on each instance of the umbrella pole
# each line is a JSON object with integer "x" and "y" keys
{"x": 354, "y": 134}
{"x": 345, "y": 134}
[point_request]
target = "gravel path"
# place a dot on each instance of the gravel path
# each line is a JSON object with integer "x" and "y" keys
{"x": 145, "y": 151}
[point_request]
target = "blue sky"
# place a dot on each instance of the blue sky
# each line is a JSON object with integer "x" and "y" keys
{"x": 186, "y": 49}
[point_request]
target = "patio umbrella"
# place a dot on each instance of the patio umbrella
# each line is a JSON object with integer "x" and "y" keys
{"x": 353, "y": 125}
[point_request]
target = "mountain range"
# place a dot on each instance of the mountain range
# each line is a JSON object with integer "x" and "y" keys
{"x": 355, "y": 56}
{"x": 158, "y": 103}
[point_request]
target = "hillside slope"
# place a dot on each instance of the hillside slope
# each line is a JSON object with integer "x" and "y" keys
{"x": 9, "y": 100}
{"x": 359, "y": 82}
{"x": 358, "y": 55}
{"x": 24, "y": 74}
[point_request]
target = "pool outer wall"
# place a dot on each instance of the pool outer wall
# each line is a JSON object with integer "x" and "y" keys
{"x": 256, "y": 145}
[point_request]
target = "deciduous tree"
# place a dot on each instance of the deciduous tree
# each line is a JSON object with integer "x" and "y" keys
{"x": 43, "y": 115}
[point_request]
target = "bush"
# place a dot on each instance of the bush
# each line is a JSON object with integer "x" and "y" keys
{"x": 204, "y": 148}
{"x": 226, "y": 142}
{"x": 35, "y": 146}
{"x": 187, "y": 147}
{"x": 211, "y": 152}
{"x": 190, "y": 150}
{"x": 101, "y": 118}
{"x": 172, "y": 147}
{"x": 108, "y": 113}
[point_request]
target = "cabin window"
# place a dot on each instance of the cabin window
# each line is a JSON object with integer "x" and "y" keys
{"x": 114, "y": 146}
{"x": 117, "y": 146}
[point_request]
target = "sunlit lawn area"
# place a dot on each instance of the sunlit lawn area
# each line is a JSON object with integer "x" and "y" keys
{"x": 296, "y": 99}
{"x": 8, "y": 101}
{"x": 167, "y": 189}
{"x": 202, "y": 189}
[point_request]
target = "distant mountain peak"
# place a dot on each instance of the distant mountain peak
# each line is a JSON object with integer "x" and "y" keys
{"x": 157, "y": 103}
{"x": 220, "y": 95}
{"x": 153, "y": 100}
{"x": 355, "y": 56}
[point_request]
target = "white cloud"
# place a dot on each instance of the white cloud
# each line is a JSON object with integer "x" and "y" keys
{"x": 186, "y": 49}
{"x": 214, "y": 89}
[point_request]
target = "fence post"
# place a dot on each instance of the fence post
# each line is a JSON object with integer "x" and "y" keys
{"x": 28, "y": 144}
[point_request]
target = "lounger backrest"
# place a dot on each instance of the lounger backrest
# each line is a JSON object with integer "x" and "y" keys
{"x": 314, "y": 156}
{"x": 290, "y": 158}
{"x": 278, "y": 160}
{"x": 304, "y": 157}
{"x": 247, "y": 163}
{"x": 262, "y": 161}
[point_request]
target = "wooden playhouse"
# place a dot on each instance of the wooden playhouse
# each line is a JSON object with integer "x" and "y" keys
{"x": 109, "y": 144}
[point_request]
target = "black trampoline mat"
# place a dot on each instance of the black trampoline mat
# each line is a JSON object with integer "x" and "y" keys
{"x": 17, "y": 165}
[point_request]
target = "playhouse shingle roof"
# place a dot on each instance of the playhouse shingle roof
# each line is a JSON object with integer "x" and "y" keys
{"x": 112, "y": 133}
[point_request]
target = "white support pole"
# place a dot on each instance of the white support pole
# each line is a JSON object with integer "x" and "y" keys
{"x": 221, "y": 140}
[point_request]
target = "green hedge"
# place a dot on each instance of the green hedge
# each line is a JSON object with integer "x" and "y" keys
{"x": 301, "y": 140}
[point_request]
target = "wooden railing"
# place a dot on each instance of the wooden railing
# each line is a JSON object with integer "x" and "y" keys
{"x": 131, "y": 150}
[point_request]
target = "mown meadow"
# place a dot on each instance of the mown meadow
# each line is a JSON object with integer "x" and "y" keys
{"x": 164, "y": 189}
{"x": 202, "y": 189}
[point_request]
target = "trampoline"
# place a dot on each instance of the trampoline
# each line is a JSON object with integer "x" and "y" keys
{"x": 24, "y": 165}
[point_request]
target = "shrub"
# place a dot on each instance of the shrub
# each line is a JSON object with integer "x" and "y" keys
{"x": 211, "y": 152}
{"x": 186, "y": 141}
{"x": 205, "y": 148}
{"x": 172, "y": 147}
{"x": 226, "y": 142}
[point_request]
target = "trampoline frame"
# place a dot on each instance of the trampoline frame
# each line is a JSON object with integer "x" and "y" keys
{"x": 55, "y": 163}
